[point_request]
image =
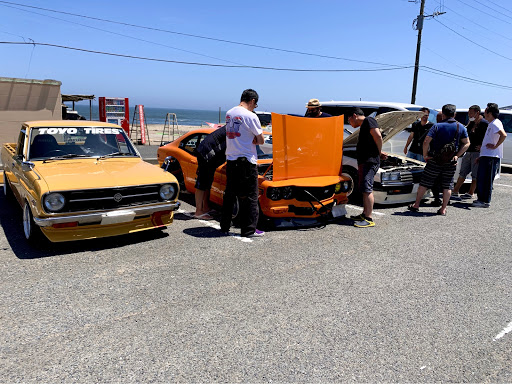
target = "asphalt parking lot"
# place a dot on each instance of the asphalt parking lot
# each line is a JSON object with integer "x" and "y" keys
{"x": 418, "y": 298}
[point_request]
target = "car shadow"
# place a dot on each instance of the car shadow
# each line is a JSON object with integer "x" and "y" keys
{"x": 11, "y": 222}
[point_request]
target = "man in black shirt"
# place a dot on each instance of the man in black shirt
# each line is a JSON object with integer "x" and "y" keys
{"x": 211, "y": 153}
{"x": 476, "y": 131}
{"x": 418, "y": 133}
{"x": 369, "y": 146}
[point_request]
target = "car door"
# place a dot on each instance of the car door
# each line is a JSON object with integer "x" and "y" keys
{"x": 189, "y": 145}
{"x": 16, "y": 175}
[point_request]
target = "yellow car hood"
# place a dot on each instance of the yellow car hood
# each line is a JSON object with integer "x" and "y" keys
{"x": 306, "y": 147}
{"x": 73, "y": 174}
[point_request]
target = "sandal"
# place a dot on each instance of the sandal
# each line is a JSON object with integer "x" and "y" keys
{"x": 204, "y": 216}
{"x": 440, "y": 213}
{"x": 412, "y": 208}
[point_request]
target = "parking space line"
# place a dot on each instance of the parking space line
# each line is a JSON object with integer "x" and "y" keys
{"x": 361, "y": 209}
{"x": 506, "y": 330}
{"x": 503, "y": 185}
{"x": 215, "y": 225}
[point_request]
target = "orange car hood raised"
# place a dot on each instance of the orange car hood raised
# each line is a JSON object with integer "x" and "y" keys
{"x": 306, "y": 147}
{"x": 89, "y": 173}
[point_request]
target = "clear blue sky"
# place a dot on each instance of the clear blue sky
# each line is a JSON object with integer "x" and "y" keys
{"x": 366, "y": 30}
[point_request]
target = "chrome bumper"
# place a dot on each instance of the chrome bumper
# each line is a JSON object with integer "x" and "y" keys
{"x": 97, "y": 217}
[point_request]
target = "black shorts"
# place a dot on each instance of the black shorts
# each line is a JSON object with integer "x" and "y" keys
{"x": 433, "y": 171}
{"x": 367, "y": 172}
{"x": 205, "y": 174}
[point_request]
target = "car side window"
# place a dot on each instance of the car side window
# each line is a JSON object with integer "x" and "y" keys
{"x": 506, "y": 119}
{"x": 21, "y": 144}
{"x": 191, "y": 143}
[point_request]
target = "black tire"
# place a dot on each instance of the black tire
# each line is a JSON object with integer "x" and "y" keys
{"x": 7, "y": 188}
{"x": 31, "y": 230}
{"x": 356, "y": 196}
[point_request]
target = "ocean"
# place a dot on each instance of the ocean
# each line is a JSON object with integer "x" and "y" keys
{"x": 195, "y": 117}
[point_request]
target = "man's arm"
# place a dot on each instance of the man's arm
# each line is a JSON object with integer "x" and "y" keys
{"x": 377, "y": 137}
{"x": 409, "y": 139}
{"x": 462, "y": 149}
{"x": 258, "y": 139}
{"x": 503, "y": 136}
{"x": 426, "y": 144}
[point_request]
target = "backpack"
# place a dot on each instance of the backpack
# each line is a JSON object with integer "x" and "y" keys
{"x": 448, "y": 151}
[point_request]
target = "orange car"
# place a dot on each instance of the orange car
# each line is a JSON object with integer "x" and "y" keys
{"x": 299, "y": 166}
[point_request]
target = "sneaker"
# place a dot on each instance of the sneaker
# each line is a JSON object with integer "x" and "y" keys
{"x": 466, "y": 196}
{"x": 480, "y": 204}
{"x": 455, "y": 197}
{"x": 257, "y": 233}
{"x": 357, "y": 217}
{"x": 364, "y": 223}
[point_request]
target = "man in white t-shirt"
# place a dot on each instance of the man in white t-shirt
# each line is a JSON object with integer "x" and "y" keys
{"x": 243, "y": 133}
{"x": 491, "y": 153}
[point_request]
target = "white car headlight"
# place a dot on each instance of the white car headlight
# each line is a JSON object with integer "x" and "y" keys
{"x": 167, "y": 192}
{"x": 384, "y": 176}
{"x": 395, "y": 176}
{"x": 54, "y": 202}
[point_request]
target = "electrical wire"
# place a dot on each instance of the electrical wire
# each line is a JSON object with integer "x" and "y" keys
{"x": 3, "y": 2}
{"x": 500, "y": 6}
{"x": 481, "y": 46}
{"x": 426, "y": 68}
{"x": 496, "y": 10}
{"x": 495, "y": 17}
{"x": 206, "y": 64}
{"x": 121, "y": 34}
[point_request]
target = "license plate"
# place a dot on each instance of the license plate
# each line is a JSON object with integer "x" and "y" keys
{"x": 117, "y": 217}
{"x": 339, "y": 210}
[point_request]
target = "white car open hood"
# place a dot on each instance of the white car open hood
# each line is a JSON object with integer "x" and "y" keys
{"x": 390, "y": 123}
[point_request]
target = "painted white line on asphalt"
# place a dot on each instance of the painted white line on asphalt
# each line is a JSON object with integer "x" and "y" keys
{"x": 215, "y": 225}
{"x": 503, "y": 185}
{"x": 506, "y": 330}
{"x": 360, "y": 209}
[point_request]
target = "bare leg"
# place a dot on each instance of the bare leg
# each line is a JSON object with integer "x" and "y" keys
{"x": 419, "y": 196}
{"x": 460, "y": 181}
{"x": 446, "y": 198}
{"x": 472, "y": 189}
{"x": 206, "y": 199}
{"x": 368, "y": 201}
{"x": 199, "y": 195}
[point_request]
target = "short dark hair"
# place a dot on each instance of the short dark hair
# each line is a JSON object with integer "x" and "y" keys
{"x": 358, "y": 111}
{"x": 248, "y": 95}
{"x": 475, "y": 108}
{"x": 449, "y": 110}
{"x": 425, "y": 109}
{"x": 493, "y": 109}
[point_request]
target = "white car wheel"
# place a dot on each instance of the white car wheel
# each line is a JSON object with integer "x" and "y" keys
{"x": 30, "y": 229}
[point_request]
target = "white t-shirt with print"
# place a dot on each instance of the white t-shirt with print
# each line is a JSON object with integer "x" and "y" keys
{"x": 241, "y": 127}
{"x": 491, "y": 137}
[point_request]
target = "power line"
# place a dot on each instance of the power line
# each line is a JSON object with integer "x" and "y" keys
{"x": 121, "y": 34}
{"x": 488, "y": 14}
{"x": 481, "y": 46}
{"x": 476, "y": 1}
{"x": 201, "y": 37}
{"x": 500, "y": 6}
{"x": 205, "y": 64}
{"x": 434, "y": 70}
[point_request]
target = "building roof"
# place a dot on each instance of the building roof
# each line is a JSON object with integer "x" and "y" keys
{"x": 77, "y": 97}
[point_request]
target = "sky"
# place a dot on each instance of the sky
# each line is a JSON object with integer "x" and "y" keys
{"x": 473, "y": 39}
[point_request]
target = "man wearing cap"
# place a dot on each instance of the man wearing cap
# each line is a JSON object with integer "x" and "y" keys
{"x": 314, "y": 109}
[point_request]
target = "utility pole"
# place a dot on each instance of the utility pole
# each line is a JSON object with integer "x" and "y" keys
{"x": 419, "y": 26}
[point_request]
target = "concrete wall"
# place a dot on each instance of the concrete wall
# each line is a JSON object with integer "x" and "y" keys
{"x": 25, "y": 100}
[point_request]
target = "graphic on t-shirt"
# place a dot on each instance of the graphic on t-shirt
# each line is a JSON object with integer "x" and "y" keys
{"x": 233, "y": 126}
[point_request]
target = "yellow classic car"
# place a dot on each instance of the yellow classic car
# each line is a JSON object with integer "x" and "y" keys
{"x": 83, "y": 179}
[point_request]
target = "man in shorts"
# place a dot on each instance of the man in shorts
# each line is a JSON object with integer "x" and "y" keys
{"x": 447, "y": 131}
{"x": 211, "y": 153}
{"x": 369, "y": 147}
{"x": 476, "y": 131}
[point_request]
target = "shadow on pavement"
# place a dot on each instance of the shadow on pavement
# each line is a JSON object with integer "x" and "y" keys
{"x": 11, "y": 222}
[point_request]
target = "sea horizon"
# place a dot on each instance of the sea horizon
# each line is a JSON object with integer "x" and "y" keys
{"x": 157, "y": 115}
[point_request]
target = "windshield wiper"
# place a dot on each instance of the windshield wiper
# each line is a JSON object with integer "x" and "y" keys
{"x": 68, "y": 156}
{"x": 116, "y": 154}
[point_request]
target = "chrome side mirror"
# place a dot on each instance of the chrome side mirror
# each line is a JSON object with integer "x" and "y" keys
{"x": 27, "y": 166}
